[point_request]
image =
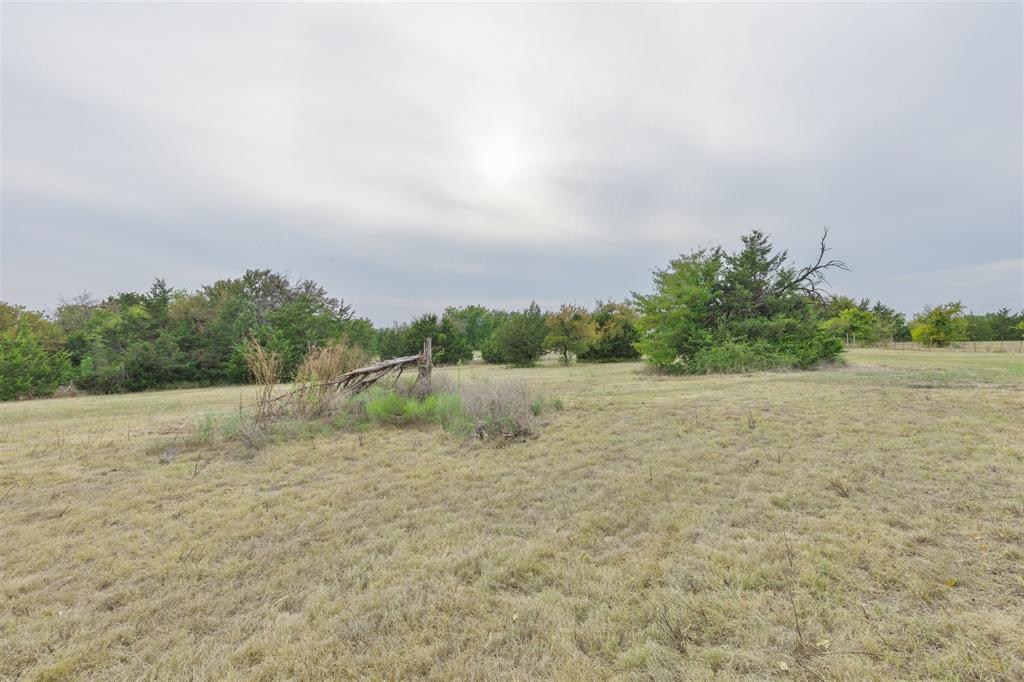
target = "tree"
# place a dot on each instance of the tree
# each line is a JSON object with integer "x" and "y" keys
{"x": 27, "y": 370}
{"x": 617, "y": 333}
{"x": 295, "y": 326}
{"x": 452, "y": 344}
{"x": 1003, "y": 325}
{"x": 360, "y": 332}
{"x": 519, "y": 340}
{"x": 158, "y": 300}
{"x": 832, "y": 306}
{"x": 417, "y": 332}
{"x": 163, "y": 336}
{"x": 676, "y": 320}
{"x": 449, "y": 344}
{"x": 475, "y": 322}
{"x": 715, "y": 311}
{"x": 855, "y": 324}
{"x": 391, "y": 341}
{"x": 14, "y": 318}
{"x": 891, "y": 322}
{"x": 570, "y": 331}
{"x": 940, "y": 325}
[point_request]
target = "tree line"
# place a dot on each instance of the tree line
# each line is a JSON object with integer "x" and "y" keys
{"x": 709, "y": 311}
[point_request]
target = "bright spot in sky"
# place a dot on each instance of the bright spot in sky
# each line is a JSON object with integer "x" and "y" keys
{"x": 501, "y": 159}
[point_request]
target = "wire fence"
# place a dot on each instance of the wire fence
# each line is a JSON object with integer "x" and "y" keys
{"x": 1007, "y": 346}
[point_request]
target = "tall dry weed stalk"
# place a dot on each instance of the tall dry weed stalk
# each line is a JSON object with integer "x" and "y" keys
{"x": 315, "y": 395}
{"x": 265, "y": 367}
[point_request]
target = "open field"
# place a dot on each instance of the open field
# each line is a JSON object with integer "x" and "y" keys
{"x": 857, "y": 523}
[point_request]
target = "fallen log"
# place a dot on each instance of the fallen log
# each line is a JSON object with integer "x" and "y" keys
{"x": 355, "y": 381}
{"x": 359, "y": 380}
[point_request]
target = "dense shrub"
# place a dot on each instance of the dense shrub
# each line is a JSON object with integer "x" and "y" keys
{"x": 490, "y": 410}
{"x": 386, "y": 406}
{"x": 713, "y": 311}
{"x": 728, "y": 355}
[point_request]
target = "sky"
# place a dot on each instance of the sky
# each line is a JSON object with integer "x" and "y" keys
{"x": 409, "y": 158}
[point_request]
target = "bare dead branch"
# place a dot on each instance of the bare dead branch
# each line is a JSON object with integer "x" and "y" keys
{"x": 809, "y": 279}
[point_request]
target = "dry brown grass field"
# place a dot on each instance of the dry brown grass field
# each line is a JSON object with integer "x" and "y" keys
{"x": 858, "y": 523}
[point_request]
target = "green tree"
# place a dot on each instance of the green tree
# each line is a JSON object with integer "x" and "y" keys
{"x": 715, "y": 311}
{"x": 570, "y": 331}
{"x": 360, "y": 332}
{"x": 617, "y": 333}
{"x": 855, "y": 324}
{"x": 891, "y": 322}
{"x": 452, "y": 343}
{"x": 448, "y": 344}
{"x": 163, "y": 337}
{"x": 476, "y": 323}
{"x": 677, "y": 320}
{"x": 519, "y": 340}
{"x": 295, "y": 326}
{"x": 1003, "y": 325}
{"x": 14, "y": 318}
{"x": 27, "y": 369}
{"x": 391, "y": 341}
{"x": 417, "y": 332}
{"x": 940, "y": 325}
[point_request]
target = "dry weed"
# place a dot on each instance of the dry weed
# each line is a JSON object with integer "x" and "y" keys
{"x": 265, "y": 367}
{"x": 499, "y": 409}
{"x": 314, "y": 394}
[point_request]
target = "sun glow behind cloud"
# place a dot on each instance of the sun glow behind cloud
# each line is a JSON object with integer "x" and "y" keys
{"x": 501, "y": 160}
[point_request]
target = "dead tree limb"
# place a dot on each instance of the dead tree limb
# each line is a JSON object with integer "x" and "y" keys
{"x": 809, "y": 279}
{"x": 358, "y": 380}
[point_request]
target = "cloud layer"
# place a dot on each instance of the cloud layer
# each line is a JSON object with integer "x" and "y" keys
{"x": 345, "y": 143}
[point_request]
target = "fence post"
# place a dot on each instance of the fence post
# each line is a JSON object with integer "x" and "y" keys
{"x": 426, "y": 362}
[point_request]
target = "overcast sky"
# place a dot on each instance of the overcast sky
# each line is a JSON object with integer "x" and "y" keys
{"x": 409, "y": 158}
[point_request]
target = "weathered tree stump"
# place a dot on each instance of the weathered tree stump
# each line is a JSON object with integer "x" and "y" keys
{"x": 425, "y": 365}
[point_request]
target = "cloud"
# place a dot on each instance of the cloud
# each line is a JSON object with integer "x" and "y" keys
{"x": 1001, "y": 280}
{"x": 343, "y": 142}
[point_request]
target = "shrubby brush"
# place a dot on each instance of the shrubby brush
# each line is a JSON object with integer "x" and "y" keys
{"x": 489, "y": 410}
